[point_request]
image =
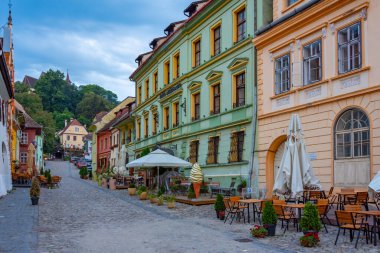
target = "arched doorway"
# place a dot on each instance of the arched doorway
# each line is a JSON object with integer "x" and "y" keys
{"x": 352, "y": 149}
{"x": 273, "y": 161}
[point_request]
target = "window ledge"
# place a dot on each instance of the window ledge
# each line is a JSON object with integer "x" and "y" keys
{"x": 283, "y": 94}
{"x": 307, "y": 86}
{"x": 213, "y": 165}
{"x": 353, "y": 72}
{"x": 286, "y": 8}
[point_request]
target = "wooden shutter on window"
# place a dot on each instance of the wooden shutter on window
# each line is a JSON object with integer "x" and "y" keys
{"x": 193, "y": 152}
{"x": 211, "y": 151}
{"x": 233, "y": 148}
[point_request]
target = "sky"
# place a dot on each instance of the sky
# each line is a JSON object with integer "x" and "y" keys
{"x": 96, "y": 40}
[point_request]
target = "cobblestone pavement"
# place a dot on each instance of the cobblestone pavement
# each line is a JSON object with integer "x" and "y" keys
{"x": 18, "y": 219}
{"x": 82, "y": 217}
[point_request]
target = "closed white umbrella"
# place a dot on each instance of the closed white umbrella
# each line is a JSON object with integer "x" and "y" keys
{"x": 123, "y": 156}
{"x": 375, "y": 182}
{"x": 158, "y": 158}
{"x": 295, "y": 172}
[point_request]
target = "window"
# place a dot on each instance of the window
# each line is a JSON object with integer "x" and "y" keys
{"x": 237, "y": 147}
{"x": 138, "y": 132}
{"x": 76, "y": 129}
{"x": 23, "y": 157}
{"x": 290, "y": 2}
{"x": 155, "y": 120}
{"x": 101, "y": 145}
{"x": 194, "y": 151}
{"x": 129, "y": 136}
{"x": 75, "y": 137}
{"x": 175, "y": 114}
{"x": 167, "y": 72}
{"x": 239, "y": 90}
{"x": 155, "y": 82}
{"x": 196, "y": 106}
{"x": 349, "y": 48}
{"x": 146, "y": 127}
{"x": 352, "y": 135}
{"x": 213, "y": 150}
{"x": 176, "y": 66}
{"x": 139, "y": 95}
{"x": 24, "y": 138}
{"x": 312, "y": 63}
{"x": 241, "y": 25}
{"x": 106, "y": 143}
{"x": 196, "y": 53}
{"x": 146, "y": 89}
{"x": 282, "y": 71}
{"x": 215, "y": 100}
{"x": 215, "y": 41}
{"x": 166, "y": 118}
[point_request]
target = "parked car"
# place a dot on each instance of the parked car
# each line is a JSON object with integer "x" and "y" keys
{"x": 73, "y": 159}
{"x": 81, "y": 163}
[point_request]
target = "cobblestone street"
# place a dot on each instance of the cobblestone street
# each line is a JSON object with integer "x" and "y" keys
{"x": 82, "y": 217}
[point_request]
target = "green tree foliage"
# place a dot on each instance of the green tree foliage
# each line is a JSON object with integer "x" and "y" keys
{"x": 106, "y": 94}
{"x": 56, "y": 93}
{"x": 60, "y": 118}
{"x": 21, "y": 87}
{"x": 90, "y": 105}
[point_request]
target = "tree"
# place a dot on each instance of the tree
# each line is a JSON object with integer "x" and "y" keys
{"x": 56, "y": 93}
{"x": 60, "y": 118}
{"x": 31, "y": 102}
{"x": 106, "y": 94}
{"x": 21, "y": 87}
{"x": 90, "y": 105}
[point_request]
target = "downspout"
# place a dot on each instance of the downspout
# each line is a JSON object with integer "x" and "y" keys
{"x": 252, "y": 171}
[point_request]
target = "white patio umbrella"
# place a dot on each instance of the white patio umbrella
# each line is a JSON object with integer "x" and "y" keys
{"x": 295, "y": 172}
{"x": 158, "y": 158}
{"x": 375, "y": 182}
{"x": 123, "y": 156}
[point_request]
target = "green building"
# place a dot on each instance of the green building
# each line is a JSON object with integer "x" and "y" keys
{"x": 195, "y": 91}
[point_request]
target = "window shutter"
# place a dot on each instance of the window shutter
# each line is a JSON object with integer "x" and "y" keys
{"x": 211, "y": 151}
{"x": 233, "y": 148}
{"x": 193, "y": 152}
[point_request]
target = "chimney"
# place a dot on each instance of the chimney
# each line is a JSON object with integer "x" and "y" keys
{"x": 65, "y": 122}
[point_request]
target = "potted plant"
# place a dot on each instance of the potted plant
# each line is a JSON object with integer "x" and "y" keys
{"x": 105, "y": 180}
{"x": 259, "y": 231}
{"x": 310, "y": 221}
{"x": 132, "y": 189}
{"x": 99, "y": 176}
{"x": 170, "y": 201}
{"x": 191, "y": 193}
{"x": 143, "y": 194}
{"x": 83, "y": 172}
{"x": 35, "y": 191}
{"x": 112, "y": 179}
{"x": 269, "y": 218}
{"x": 310, "y": 239}
{"x": 152, "y": 198}
{"x": 219, "y": 207}
{"x": 242, "y": 185}
{"x": 49, "y": 181}
{"x": 160, "y": 200}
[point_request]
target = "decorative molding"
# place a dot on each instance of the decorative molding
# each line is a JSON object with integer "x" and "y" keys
{"x": 237, "y": 63}
{"x": 153, "y": 108}
{"x": 324, "y": 32}
{"x": 332, "y": 28}
{"x": 213, "y": 75}
{"x": 194, "y": 85}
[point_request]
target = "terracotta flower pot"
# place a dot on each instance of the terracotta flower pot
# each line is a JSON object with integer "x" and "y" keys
{"x": 171, "y": 205}
{"x": 132, "y": 191}
{"x": 104, "y": 183}
{"x": 112, "y": 184}
{"x": 143, "y": 196}
{"x": 222, "y": 215}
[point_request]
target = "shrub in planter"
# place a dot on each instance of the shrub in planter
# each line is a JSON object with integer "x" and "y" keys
{"x": 219, "y": 207}
{"x": 259, "y": 231}
{"x": 269, "y": 218}
{"x": 83, "y": 172}
{"x": 310, "y": 221}
{"x": 152, "y": 198}
{"x": 142, "y": 192}
{"x": 191, "y": 192}
{"x": 160, "y": 200}
{"x": 35, "y": 191}
{"x": 310, "y": 239}
{"x": 170, "y": 201}
{"x": 132, "y": 189}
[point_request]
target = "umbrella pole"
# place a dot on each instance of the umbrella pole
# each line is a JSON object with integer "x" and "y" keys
{"x": 158, "y": 178}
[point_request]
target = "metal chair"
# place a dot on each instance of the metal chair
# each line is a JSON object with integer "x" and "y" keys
{"x": 230, "y": 191}
{"x": 285, "y": 216}
{"x": 323, "y": 209}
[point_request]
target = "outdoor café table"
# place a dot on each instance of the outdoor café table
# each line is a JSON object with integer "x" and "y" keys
{"x": 296, "y": 206}
{"x": 375, "y": 214}
{"x": 342, "y": 199}
{"x": 254, "y": 208}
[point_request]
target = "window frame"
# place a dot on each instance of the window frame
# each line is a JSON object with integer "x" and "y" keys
{"x": 214, "y": 51}
{"x": 166, "y": 72}
{"x": 139, "y": 93}
{"x": 23, "y": 157}
{"x": 146, "y": 89}
{"x": 280, "y": 71}
{"x": 155, "y": 81}
{"x": 307, "y": 62}
{"x": 350, "y": 44}
{"x": 166, "y": 118}
{"x": 176, "y": 65}
{"x": 215, "y": 97}
{"x": 175, "y": 114}
{"x": 196, "y": 52}
{"x": 24, "y": 138}
{"x": 196, "y": 105}
{"x": 146, "y": 126}
{"x": 237, "y": 87}
{"x": 242, "y": 23}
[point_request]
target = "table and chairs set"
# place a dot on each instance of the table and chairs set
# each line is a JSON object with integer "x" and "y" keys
{"x": 352, "y": 212}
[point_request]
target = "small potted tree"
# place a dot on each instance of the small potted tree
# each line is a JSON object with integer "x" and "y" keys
{"x": 310, "y": 221}
{"x": 160, "y": 200}
{"x": 219, "y": 207}
{"x": 83, "y": 173}
{"x": 35, "y": 191}
{"x": 132, "y": 189}
{"x": 269, "y": 218}
{"x": 170, "y": 201}
{"x": 143, "y": 194}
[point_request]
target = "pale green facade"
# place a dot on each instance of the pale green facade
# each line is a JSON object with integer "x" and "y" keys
{"x": 235, "y": 58}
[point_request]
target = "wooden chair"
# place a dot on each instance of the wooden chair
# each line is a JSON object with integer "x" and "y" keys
{"x": 235, "y": 201}
{"x": 230, "y": 191}
{"x": 279, "y": 202}
{"x": 357, "y": 217}
{"x": 43, "y": 180}
{"x": 331, "y": 197}
{"x": 322, "y": 211}
{"x": 345, "y": 221}
{"x": 214, "y": 189}
{"x": 285, "y": 216}
{"x": 361, "y": 198}
{"x": 231, "y": 210}
{"x": 347, "y": 190}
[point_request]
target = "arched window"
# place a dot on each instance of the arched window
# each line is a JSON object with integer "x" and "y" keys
{"x": 352, "y": 135}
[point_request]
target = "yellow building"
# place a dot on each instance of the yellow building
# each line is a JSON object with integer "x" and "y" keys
{"x": 320, "y": 59}
{"x": 71, "y": 137}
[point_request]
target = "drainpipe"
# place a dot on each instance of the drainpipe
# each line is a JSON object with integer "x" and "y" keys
{"x": 252, "y": 171}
